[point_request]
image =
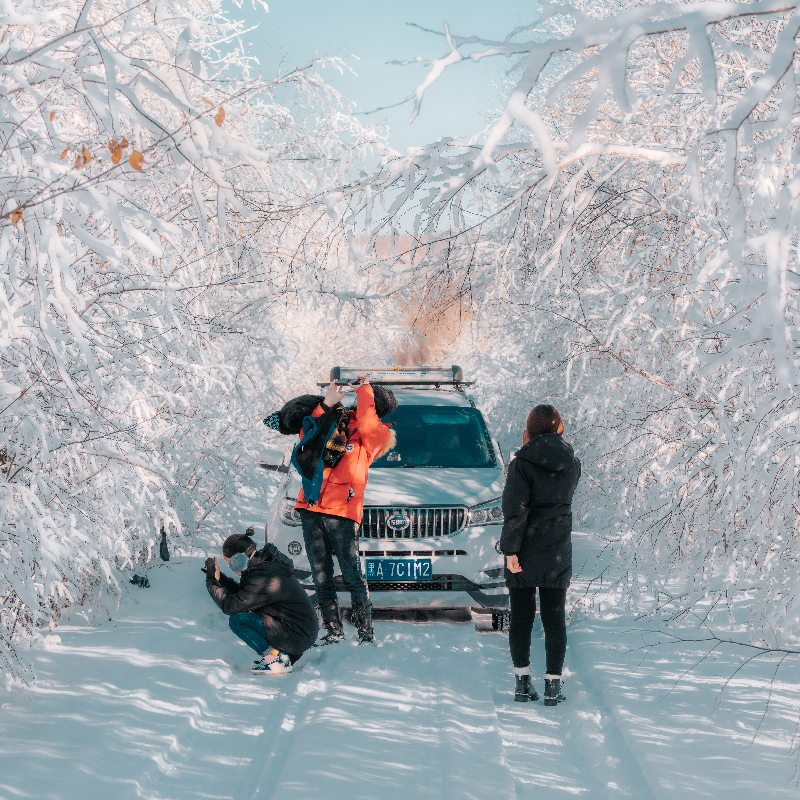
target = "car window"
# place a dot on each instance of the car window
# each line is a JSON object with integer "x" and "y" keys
{"x": 438, "y": 436}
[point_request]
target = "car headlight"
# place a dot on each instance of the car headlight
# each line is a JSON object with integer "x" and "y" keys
{"x": 490, "y": 513}
{"x": 288, "y": 513}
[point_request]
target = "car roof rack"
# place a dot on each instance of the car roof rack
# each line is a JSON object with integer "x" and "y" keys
{"x": 402, "y": 376}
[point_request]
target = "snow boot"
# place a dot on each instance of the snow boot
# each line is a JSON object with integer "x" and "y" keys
{"x": 361, "y": 617}
{"x": 331, "y": 634}
{"x": 524, "y": 690}
{"x": 552, "y": 690}
{"x": 273, "y": 663}
{"x": 332, "y": 630}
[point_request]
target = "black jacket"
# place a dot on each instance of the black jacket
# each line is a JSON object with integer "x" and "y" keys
{"x": 268, "y": 588}
{"x": 538, "y": 513}
{"x": 291, "y": 416}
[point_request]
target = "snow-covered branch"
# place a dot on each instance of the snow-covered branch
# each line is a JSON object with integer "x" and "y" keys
{"x": 632, "y": 217}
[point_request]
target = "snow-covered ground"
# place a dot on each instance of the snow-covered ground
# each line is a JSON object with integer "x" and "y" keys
{"x": 162, "y": 705}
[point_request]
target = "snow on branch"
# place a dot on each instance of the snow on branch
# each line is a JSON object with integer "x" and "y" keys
{"x": 631, "y": 216}
{"x": 157, "y": 200}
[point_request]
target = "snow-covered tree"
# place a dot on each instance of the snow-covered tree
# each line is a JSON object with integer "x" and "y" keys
{"x": 627, "y": 232}
{"x": 163, "y": 232}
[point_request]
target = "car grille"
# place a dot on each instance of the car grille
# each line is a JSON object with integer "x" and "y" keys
{"x": 440, "y": 583}
{"x": 424, "y": 523}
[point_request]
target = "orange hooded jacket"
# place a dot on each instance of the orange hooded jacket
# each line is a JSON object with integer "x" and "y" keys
{"x": 343, "y": 486}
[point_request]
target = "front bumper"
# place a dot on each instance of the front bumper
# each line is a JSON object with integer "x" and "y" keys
{"x": 467, "y": 569}
{"x": 442, "y": 591}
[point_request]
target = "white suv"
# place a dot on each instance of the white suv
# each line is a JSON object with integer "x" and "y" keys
{"x": 432, "y": 517}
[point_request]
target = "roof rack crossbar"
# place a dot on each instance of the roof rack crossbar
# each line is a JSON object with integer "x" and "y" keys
{"x": 422, "y": 375}
{"x": 409, "y": 382}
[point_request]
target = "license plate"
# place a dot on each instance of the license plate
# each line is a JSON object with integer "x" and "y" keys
{"x": 399, "y": 569}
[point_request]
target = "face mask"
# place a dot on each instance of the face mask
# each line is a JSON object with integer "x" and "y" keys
{"x": 239, "y": 562}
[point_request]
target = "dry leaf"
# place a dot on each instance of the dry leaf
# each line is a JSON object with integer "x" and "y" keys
{"x": 124, "y": 143}
{"x": 206, "y": 100}
{"x": 116, "y": 156}
{"x": 220, "y": 117}
{"x": 16, "y": 216}
{"x": 136, "y": 159}
{"x": 78, "y": 162}
{"x": 63, "y": 155}
{"x": 112, "y": 146}
{"x": 87, "y": 156}
{"x": 52, "y": 115}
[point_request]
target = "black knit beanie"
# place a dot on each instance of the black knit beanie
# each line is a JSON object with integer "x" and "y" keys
{"x": 385, "y": 401}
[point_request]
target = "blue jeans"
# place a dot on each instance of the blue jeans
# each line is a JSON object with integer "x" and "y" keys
{"x": 326, "y": 536}
{"x": 250, "y": 629}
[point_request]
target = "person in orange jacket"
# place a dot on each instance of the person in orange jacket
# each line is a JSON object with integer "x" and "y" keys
{"x": 330, "y": 525}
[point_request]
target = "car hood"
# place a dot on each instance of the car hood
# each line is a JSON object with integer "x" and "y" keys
{"x": 421, "y": 486}
{"x": 432, "y": 487}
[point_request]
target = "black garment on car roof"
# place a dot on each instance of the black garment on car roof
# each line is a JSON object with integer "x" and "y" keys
{"x": 291, "y": 416}
{"x": 268, "y": 588}
{"x": 538, "y": 513}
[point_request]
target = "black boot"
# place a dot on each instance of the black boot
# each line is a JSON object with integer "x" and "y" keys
{"x": 332, "y": 631}
{"x": 552, "y": 691}
{"x": 524, "y": 690}
{"x": 361, "y": 617}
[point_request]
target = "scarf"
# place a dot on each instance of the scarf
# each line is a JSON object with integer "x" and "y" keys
{"x": 336, "y": 445}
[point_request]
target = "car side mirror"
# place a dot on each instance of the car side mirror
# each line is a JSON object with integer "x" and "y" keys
{"x": 272, "y": 458}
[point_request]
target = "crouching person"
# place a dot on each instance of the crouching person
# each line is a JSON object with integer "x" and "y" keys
{"x": 268, "y": 608}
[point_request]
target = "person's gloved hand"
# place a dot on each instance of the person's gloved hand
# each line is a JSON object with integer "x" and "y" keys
{"x": 211, "y": 567}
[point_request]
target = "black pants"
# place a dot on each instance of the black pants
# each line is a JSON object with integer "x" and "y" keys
{"x": 523, "y": 612}
{"x": 327, "y": 536}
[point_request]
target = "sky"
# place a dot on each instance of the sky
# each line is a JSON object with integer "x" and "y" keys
{"x": 370, "y": 33}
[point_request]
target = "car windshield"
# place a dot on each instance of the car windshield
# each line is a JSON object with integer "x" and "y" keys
{"x": 438, "y": 436}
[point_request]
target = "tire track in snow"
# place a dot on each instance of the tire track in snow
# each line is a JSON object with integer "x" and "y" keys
{"x": 616, "y": 747}
{"x": 411, "y": 717}
{"x": 575, "y": 748}
{"x": 303, "y": 684}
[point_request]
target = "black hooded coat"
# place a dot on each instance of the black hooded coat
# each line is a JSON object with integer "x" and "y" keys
{"x": 538, "y": 513}
{"x": 268, "y": 588}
